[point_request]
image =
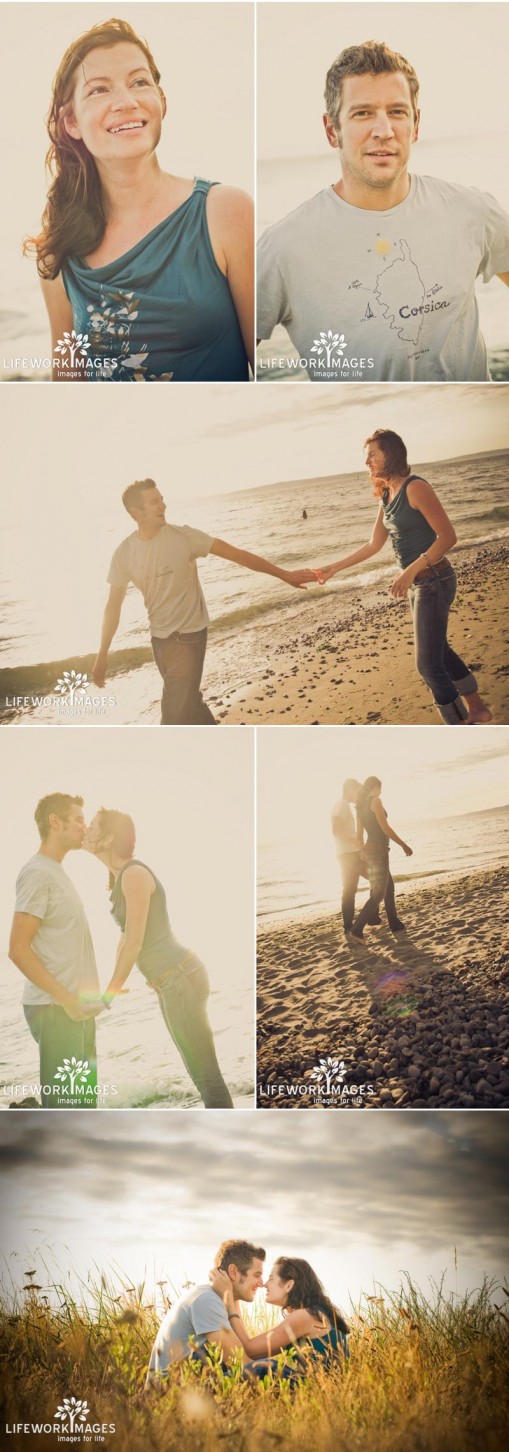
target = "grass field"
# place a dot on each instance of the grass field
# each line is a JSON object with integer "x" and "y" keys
{"x": 425, "y": 1374}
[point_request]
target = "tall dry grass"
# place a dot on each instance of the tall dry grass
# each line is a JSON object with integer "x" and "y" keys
{"x": 425, "y": 1374}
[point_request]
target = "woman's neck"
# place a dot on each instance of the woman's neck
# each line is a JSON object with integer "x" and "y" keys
{"x": 130, "y": 188}
{"x": 395, "y": 484}
{"x": 113, "y": 864}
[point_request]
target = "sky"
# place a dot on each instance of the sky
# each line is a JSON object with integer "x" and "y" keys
{"x": 458, "y": 96}
{"x": 62, "y": 470}
{"x": 364, "y": 1199}
{"x": 426, "y": 775}
{"x": 191, "y": 799}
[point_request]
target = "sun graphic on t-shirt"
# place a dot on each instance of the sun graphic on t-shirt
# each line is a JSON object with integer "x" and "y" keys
{"x": 383, "y": 247}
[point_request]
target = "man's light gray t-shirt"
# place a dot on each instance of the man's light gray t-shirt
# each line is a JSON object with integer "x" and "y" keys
{"x": 198, "y": 1314}
{"x": 164, "y": 569}
{"x": 343, "y": 829}
{"x": 395, "y": 288}
{"x": 63, "y": 941}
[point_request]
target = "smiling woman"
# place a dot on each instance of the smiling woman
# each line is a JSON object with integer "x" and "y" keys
{"x": 146, "y": 275}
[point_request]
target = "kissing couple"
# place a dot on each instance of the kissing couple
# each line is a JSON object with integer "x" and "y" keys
{"x": 209, "y": 1316}
{"x": 52, "y": 947}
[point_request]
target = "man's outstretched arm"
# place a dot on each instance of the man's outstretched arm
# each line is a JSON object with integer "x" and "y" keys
{"x": 111, "y": 620}
{"x": 298, "y": 578}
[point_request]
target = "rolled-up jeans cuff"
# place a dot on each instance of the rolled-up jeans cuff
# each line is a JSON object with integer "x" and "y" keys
{"x": 452, "y": 712}
{"x": 467, "y": 686}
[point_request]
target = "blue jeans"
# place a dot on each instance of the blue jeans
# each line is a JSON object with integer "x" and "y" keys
{"x": 180, "y": 660}
{"x": 59, "y": 1038}
{"x": 444, "y": 672}
{"x": 183, "y": 993}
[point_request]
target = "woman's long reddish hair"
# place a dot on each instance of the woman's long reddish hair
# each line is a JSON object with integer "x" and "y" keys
{"x": 395, "y": 458}
{"x": 307, "y": 1291}
{"x": 74, "y": 220}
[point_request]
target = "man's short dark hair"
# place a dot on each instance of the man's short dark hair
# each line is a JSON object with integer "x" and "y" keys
{"x": 373, "y": 58}
{"x": 59, "y": 805}
{"x": 239, "y": 1253}
{"x": 133, "y": 495}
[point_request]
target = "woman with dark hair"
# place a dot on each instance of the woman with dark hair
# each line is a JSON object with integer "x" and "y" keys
{"x": 145, "y": 275}
{"x": 411, "y": 514}
{"x": 310, "y": 1320}
{"x": 138, "y": 906}
{"x": 373, "y": 820}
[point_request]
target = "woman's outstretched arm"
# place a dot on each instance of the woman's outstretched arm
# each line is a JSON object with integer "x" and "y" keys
{"x": 137, "y": 886}
{"x": 288, "y": 1330}
{"x": 374, "y": 545}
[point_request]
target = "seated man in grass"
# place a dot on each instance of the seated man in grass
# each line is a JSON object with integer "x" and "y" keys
{"x": 200, "y": 1317}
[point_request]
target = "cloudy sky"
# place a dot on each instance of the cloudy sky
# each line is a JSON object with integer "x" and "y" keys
{"x": 364, "y": 1198}
{"x": 213, "y": 440}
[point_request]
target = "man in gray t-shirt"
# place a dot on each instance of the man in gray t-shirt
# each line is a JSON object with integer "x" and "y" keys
{"x": 160, "y": 560}
{"x": 374, "y": 277}
{"x": 52, "y": 946}
{"x": 200, "y": 1317}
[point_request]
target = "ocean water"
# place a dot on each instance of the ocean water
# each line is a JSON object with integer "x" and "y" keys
{"x": 469, "y": 161}
{"x": 135, "y": 1051}
{"x": 296, "y": 879}
{"x": 244, "y": 607}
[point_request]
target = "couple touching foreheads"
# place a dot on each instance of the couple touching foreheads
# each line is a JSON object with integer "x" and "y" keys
{"x": 208, "y": 1316}
{"x": 51, "y": 944}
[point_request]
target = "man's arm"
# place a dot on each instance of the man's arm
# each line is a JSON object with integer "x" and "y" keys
{"x": 298, "y": 578}
{"x": 21, "y": 953}
{"x": 504, "y": 277}
{"x": 226, "y": 1340}
{"x": 110, "y": 626}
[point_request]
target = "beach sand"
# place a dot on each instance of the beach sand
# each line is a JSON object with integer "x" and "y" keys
{"x": 361, "y": 670}
{"x": 423, "y": 1016}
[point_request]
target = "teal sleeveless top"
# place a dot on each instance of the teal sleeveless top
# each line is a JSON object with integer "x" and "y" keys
{"x": 326, "y": 1348}
{"x": 160, "y": 948}
{"x": 409, "y": 531}
{"x": 162, "y": 311}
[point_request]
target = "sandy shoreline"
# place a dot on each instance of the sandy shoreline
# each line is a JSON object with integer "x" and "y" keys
{"x": 361, "y": 670}
{"x": 339, "y": 658}
{"x": 422, "y": 1016}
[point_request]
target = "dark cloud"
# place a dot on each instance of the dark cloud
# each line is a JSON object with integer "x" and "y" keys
{"x": 432, "y": 1179}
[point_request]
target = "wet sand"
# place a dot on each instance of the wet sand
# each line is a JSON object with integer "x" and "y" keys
{"x": 422, "y": 1016}
{"x": 361, "y": 670}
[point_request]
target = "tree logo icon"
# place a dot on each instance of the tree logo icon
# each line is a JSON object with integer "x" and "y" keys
{"x": 329, "y": 344}
{"x": 76, "y": 344}
{"x": 329, "y": 1073}
{"x": 72, "y": 1414}
{"x": 73, "y": 1072}
{"x": 72, "y": 683}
